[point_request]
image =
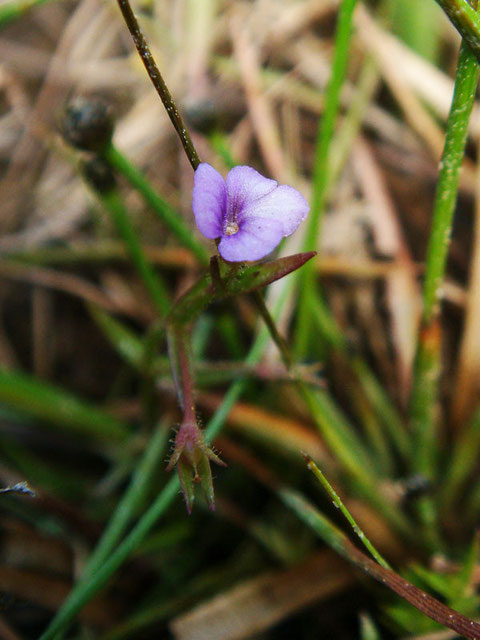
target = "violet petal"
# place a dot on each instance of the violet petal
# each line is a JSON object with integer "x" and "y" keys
{"x": 209, "y": 200}
{"x": 244, "y": 187}
{"x": 256, "y": 238}
{"x": 285, "y": 205}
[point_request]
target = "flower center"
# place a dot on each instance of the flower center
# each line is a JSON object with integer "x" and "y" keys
{"x": 231, "y": 228}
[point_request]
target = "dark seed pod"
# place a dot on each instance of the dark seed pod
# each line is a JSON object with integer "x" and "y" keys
{"x": 99, "y": 175}
{"x": 88, "y": 124}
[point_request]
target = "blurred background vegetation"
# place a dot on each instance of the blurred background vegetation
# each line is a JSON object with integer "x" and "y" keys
{"x": 87, "y": 405}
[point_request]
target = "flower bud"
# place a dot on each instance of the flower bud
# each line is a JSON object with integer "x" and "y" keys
{"x": 88, "y": 124}
{"x": 192, "y": 457}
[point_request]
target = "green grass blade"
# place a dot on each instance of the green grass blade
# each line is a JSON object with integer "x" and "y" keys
{"x": 418, "y": 25}
{"x": 427, "y": 366}
{"x": 131, "y": 501}
{"x": 166, "y": 213}
{"x": 463, "y": 460}
{"x": 152, "y": 281}
{"x": 58, "y": 408}
{"x": 83, "y": 592}
{"x": 337, "y": 501}
{"x": 321, "y": 171}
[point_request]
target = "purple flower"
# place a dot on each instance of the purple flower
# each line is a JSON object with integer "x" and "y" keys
{"x": 249, "y": 213}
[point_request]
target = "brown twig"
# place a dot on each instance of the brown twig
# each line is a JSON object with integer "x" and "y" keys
{"x": 419, "y": 599}
{"x": 416, "y": 597}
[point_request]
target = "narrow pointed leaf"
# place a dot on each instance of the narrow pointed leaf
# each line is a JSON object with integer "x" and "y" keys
{"x": 233, "y": 280}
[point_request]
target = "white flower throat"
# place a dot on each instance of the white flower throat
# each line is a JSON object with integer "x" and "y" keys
{"x": 231, "y": 228}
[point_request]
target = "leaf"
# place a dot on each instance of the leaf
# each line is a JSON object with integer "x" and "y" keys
{"x": 229, "y": 280}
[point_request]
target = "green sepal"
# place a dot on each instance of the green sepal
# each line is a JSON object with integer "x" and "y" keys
{"x": 186, "y": 482}
{"x": 232, "y": 279}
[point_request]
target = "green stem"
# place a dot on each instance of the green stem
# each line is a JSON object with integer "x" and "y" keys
{"x": 152, "y": 281}
{"x": 427, "y": 367}
{"x": 424, "y": 398}
{"x": 161, "y": 208}
{"x": 274, "y": 333}
{"x": 336, "y": 539}
{"x": 447, "y": 187}
{"x": 465, "y": 18}
{"x": 337, "y": 501}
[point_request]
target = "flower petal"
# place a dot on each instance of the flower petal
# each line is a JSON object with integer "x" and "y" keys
{"x": 285, "y": 205}
{"x": 244, "y": 187}
{"x": 209, "y": 200}
{"x": 257, "y": 238}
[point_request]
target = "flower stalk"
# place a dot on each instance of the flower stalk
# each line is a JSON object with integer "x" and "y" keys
{"x": 190, "y": 452}
{"x": 158, "y": 82}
